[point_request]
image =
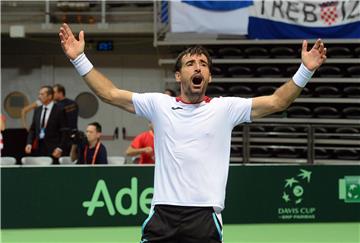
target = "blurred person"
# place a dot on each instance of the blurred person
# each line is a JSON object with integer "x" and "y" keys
{"x": 47, "y": 135}
{"x": 2, "y": 128}
{"x": 192, "y": 136}
{"x": 89, "y": 149}
{"x": 170, "y": 92}
{"x": 27, "y": 109}
{"x": 143, "y": 146}
{"x": 70, "y": 106}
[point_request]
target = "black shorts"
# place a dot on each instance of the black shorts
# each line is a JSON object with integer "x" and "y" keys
{"x": 180, "y": 224}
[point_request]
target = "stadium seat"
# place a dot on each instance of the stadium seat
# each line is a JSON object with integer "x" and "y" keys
{"x": 290, "y": 71}
{"x": 7, "y": 161}
{"x": 66, "y": 160}
{"x": 116, "y": 160}
{"x": 352, "y": 91}
{"x": 258, "y": 131}
{"x": 265, "y": 90}
{"x": 256, "y": 52}
{"x": 357, "y": 51}
{"x": 326, "y": 112}
{"x": 241, "y": 91}
{"x": 347, "y": 132}
{"x": 305, "y": 93}
{"x": 347, "y": 154}
{"x": 321, "y": 153}
{"x": 40, "y": 160}
{"x": 215, "y": 90}
{"x": 352, "y": 112}
{"x": 338, "y": 52}
{"x": 236, "y": 151}
{"x": 230, "y": 52}
{"x": 217, "y": 71}
{"x": 286, "y": 153}
{"x": 329, "y": 71}
{"x": 327, "y": 92}
{"x": 268, "y": 71}
{"x": 259, "y": 152}
{"x": 354, "y": 71}
{"x": 282, "y": 52}
{"x": 239, "y": 71}
{"x": 299, "y": 112}
{"x": 286, "y": 131}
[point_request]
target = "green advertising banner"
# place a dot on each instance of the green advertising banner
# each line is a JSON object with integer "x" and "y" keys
{"x": 83, "y": 196}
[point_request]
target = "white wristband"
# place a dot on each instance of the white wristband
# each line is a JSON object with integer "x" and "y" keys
{"x": 82, "y": 64}
{"x": 302, "y": 76}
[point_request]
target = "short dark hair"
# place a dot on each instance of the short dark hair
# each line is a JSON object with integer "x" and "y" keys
{"x": 49, "y": 90}
{"x": 96, "y": 125}
{"x": 60, "y": 88}
{"x": 171, "y": 92}
{"x": 194, "y": 50}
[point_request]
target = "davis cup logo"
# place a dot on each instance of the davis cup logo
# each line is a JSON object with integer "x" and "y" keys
{"x": 293, "y": 195}
{"x": 294, "y": 187}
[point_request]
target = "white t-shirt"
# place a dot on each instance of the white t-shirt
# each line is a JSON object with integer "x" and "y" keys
{"x": 192, "y": 146}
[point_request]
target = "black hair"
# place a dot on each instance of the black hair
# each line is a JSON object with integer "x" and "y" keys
{"x": 60, "y": 88}
{"x": 96, "y": 125}
{"x": 49, "y": 90}
{"x": 194, "y": 50}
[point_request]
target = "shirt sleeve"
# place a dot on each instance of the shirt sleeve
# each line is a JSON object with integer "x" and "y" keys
{"x": 145, "y": 104}
{"x": 136, "y": 143}
{"x": 239, "y": 110}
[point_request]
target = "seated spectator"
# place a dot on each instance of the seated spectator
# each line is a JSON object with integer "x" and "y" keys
{"x": 88, "y": 149}
{"x": 143, "y": 145}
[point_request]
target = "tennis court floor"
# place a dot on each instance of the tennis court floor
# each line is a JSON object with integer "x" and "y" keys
{"x": 265, "y": 233}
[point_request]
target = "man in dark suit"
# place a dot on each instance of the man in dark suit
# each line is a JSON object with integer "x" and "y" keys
{"x": 47, "y": 134}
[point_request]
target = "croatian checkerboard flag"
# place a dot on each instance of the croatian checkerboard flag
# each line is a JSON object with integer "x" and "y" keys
{"x": 220, "y": 17}
{"x": 304, "y": 19}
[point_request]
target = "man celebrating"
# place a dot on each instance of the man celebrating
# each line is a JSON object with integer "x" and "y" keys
{"x": 192, "y": 136}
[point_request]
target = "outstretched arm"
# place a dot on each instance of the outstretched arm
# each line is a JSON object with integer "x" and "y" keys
{"x": 26, "y": 110}
{"x": 101, "y": 85}
{"x": 288, "y": 92}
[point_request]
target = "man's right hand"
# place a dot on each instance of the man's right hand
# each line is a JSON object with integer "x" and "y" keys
{"x": 28, "y": 149}
{"x": 70, "y": 45}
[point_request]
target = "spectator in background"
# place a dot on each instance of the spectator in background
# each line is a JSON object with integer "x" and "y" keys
{"x": 47, "y": 132}
{"x": 170, "y": 92}
{"x": 70, "y": 106}
{"x": 2, "y": 128}
{"x": 89, "y": 149}
{"x": 143, "y": 145}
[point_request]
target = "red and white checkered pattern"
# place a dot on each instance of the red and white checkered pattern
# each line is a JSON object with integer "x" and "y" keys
{"x": 329, "y": 14}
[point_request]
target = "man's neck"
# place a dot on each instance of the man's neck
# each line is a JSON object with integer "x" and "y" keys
{"x": 93, "y": 143}
{"x": 192, "y": 99}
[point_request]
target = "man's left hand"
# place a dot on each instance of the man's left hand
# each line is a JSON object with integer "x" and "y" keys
{"x": 314, "y": 58}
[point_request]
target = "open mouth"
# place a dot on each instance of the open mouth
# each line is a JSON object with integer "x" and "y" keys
{"x": 197, "y": 79}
